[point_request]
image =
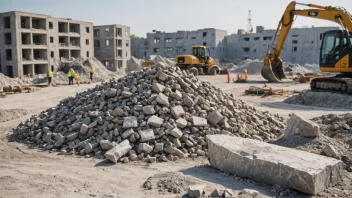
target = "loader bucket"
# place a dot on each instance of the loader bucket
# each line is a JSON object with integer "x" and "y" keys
{"x": 273, "y": 73}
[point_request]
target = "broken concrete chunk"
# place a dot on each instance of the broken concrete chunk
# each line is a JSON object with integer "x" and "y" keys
{"x": 145, "y": 148}
{"x": 177, "y": 111}
{"x": 106, "y": 144}
{"x": 298, "y": 125}
{"x": 177, "y": 133}
{"x": 187, "y": 100}
{"x": 146, "y": 135}
{"x": 272, "y": 164}
{"x": 330, "y": 151}
{"x": 149, "y": 110}
{"x": 181, "y": 123}
{"x": 110, "y": 92}
{"x": 162, "y": 99}
{"x": 159, "y": 88}
{"x": 84, "y": 129}
{"x": 198, "y": 121}
{"x": 130, "y": 122}
{"x": 118, "y": 151}
{"x": 161, "y": 75}
{"x": 155, "y": 121}
{"x": 195, "y": 191}
{"x": 215, "y": 117}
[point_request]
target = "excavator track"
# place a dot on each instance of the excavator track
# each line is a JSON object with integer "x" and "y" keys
{"x": 332, "y": 84}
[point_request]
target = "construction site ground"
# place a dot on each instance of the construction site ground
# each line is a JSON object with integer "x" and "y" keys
{"x": 26, "y": 172}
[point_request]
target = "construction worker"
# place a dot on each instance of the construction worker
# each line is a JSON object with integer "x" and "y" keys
{"x": 91, "y": 71}
{"x": 245, "y": 74}
{"x": 71, "y": 74}
{"x": 77, "y": 79}
{"x": 50, "y": 76}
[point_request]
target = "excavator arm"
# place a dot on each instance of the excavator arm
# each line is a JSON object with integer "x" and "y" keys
{"x": 273, "y": 69}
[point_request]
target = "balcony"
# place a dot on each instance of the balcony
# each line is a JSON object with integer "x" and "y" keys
{"x": 63, "y": 41}
{"x": 63, "y": 27}
{"x": 39, "y": 40}
{"x": 76, "y": 53}
{"x": 74, "y": 29}
{"x": 40, "y": 55}
{"x": 25, "y": 22}
{"x": 26, "y": 38}
{"x": 75, "y": 42}
{"x": 27, "y": 55}
{"x": 38, "y": 24}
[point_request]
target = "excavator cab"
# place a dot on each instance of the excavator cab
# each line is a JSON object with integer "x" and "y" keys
{"x": 201, "y": 52}
{"x": 335, "y": 53}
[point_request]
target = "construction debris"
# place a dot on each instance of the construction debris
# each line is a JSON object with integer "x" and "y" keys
{"x": 81, "y": 67}
{"x": 274, "y": 164}
{"x": 298, "y": 125}
{"x": 321, "y": 99}
{"x": 156, "y": 114}
{"x": 7, "y": 84}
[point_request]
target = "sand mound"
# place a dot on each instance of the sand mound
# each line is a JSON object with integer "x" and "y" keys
{"x": 11, "y": 114}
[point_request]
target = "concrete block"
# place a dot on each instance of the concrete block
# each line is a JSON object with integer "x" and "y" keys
{"x": 301, "y": 126}
{"x": 272, "y": 164}
{"x": 196, "y": 190}
{"x": 147, "y": 135}
{"x": 118, "y": 151}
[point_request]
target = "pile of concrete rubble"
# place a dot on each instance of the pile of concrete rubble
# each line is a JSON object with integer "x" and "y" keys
{"x": 8, "y": 82}
{"x": 82, "y": 68}
{"x": 157, "y": 114}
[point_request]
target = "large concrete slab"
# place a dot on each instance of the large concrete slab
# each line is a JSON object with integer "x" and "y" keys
{"x": 272, "y": 164}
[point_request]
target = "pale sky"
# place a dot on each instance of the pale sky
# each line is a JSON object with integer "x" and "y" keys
{"x": 171, "y": 15}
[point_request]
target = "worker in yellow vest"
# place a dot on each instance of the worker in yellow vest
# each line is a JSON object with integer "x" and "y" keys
{"x": 91, "y": 71}
{"x": 50, "y": 76}
{"x": 71, "y": 75}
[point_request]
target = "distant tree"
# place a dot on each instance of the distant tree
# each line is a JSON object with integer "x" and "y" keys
{"x": 136, "y": 37}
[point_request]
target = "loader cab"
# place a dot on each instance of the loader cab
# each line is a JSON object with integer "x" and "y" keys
{"x": 201, "y": 52}
{"x": 335, "y": 48}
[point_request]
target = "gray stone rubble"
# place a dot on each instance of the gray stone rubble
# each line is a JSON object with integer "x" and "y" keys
{"x": 157, "y": 114}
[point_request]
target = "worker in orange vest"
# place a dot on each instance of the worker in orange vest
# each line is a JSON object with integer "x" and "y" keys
{"x": 77, "y": 78}
{"x": 245, "y": 74}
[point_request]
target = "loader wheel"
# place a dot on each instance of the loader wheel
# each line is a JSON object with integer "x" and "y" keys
{"x": 193, "y": 71}
{"x": 200, "y": 71}
{"x": 211, "y": 71}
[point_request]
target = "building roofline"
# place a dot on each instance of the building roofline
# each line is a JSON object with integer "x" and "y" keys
{"x": 111, "y": 25}
{"x": 49, "y": 16}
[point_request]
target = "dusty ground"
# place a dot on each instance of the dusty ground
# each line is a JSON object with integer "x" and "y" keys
{"x": 26, "y": 172}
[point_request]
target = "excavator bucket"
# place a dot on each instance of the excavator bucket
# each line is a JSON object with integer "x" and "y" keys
{"x": 273, "y": 73}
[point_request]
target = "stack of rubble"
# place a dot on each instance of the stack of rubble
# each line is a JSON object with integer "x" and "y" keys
{"x": 6, "y": 82}
{"x": 328, "y": 135}
{"x": 80, "y": 66}
{"x": 157, "y": 114}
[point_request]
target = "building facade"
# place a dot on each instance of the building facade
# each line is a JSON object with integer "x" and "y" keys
{"x": 112, "y": 45}
{"x": 32, "y": 43}
{"x": 301, "y": 46}
{"x": 180, "y": 43}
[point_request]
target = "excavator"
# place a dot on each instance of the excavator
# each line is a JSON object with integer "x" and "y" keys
{"x": 335, "y": 52}
{"x": 199, "y": 62}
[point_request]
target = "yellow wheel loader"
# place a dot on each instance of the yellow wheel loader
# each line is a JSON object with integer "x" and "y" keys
{"x": 335, "y": 52}
{"x": 199, "y": 62}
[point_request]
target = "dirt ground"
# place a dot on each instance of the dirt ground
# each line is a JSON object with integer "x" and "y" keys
{"x": 26, "y": 172}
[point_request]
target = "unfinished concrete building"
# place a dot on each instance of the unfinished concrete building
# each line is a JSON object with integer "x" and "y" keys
{"x": 112, "y": 45}
{"x": 33, "y": 43}
{"x": 302, "y": 44}
{"x": 180, "y": 43}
